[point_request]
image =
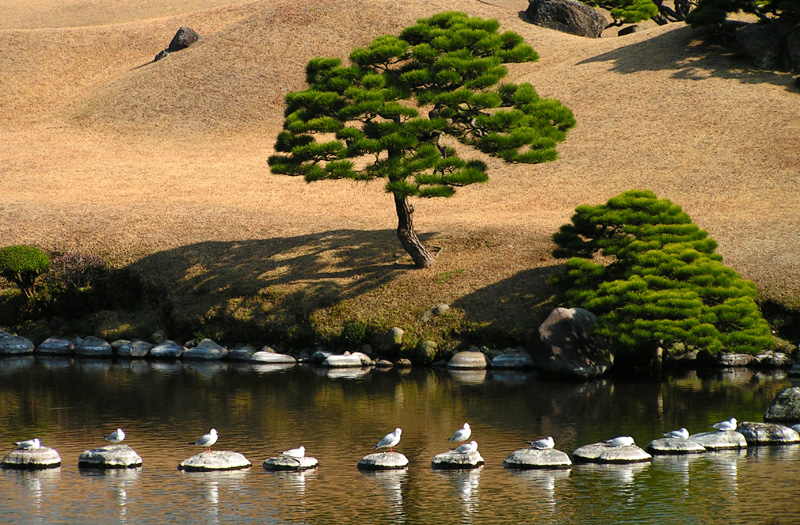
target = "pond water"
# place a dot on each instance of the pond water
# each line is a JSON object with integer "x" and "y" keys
{"x": 340, "y": 415}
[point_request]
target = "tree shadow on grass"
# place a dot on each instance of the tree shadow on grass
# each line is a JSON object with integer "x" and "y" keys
{"x": 268, "y": 287}
{"x": 693, "y": 54}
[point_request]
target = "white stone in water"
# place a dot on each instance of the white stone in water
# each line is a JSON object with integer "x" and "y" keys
{"x": 93, "y": 347}
{"x": 530, "y": 458}
{"x": 675, "y": 446}
{"x": 469, "y": 360}
{"x": 456, "y": 460}
{"x": 604, "y": 453}
{"x": 215, "y": 460}
{"x": 167, "y": 350}
{"x": 39, "y": 458}
{"x": 207, "y": 350}
{"x": 767, "y": 434}
{"x": 383, "y": 461}
{"x": 112, "y": 456}
{"x": 342, "y": 361}
{"x": 55, "y": 346}
{"x": 729, "y": 439}
{"x": 271, "y": 358}
{"x": 290, "y": 463}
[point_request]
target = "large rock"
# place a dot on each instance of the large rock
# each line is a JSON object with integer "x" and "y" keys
{"x": 425, "y": 353}
{"x": 604, "y": 453}
{"x": 567, "y": 16}
{"x": 93, "y": 347}
{"x": 136, "y": 348}
{"x": 383, "y": 461}
{"x": 216, "y": 460}
{"x": 389, "y": 344}
{"x": 167, "y": 350}
{"x": 112, "y": 456}
{"x": 513, "y": 359}
{"x": 272, "y": 358}
{"x": 762, "y": 44}
{"x": 56, "y": 346}
{"x": 207, "y": 350}
{"x": 343, "y": 361}
{"x": 242, "y": 352}
{"x": 785, "y": 407}
{"x": 674, "y": 446}
{"x": 715, "y": 440}
{"x": 531, "y": 458}
{"x": 40, "y": 458}
{"x": 469, "y": 360}
{"x": 457, "y": 460}
{"x": 568, "y": 349}
{"x": 290, "y": 463}
{"x": 15, "y": 345}
{"x": 772, "y": 360}
{"x": 185, "y": 37}
{"x": 767, "y": 434}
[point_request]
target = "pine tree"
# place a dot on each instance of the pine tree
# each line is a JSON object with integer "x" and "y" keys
{"x": 659, "y": 280}
{"x": 386, "y": 114}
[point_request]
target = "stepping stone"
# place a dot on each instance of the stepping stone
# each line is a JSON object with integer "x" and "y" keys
{"x": 214, "y": 461}
{"x": 55, "y": 346}
{"x": 468, "y": 360}
{"x": 94, "y": 347}
{"x": 530, "y": 458}
{"x": 166, "y": 350}
{"x": 603, "y": 453}
{"x": 137, "y": 348}
{"x": 112, "y": 456}
{"x": 271, "y": 358}
{"x": 342, "y": 361}
{"x": 675, "y": 446}
{"x": 457, "y": 460}
{"x": 383, "y": 461}
{"x": 767, "y": 434}
{"x": 513, "y": 360}
{"x": 290, "y": 463}
{"x": 32, "y": 459}
{"x": 207, "y": 350}
{"x": 729, "y": 439}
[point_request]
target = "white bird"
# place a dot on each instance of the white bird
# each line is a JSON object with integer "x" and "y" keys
{"x": 390, "y": 440}
{"x": 207, "y": 440}
{"x": 116, "y": 437}
{"x": 543, "y": 444}
{"x": 722, "y": 426}
{"x": 462, "y": 434}
{"x": 680, "y": 434}
{"x": 298, "y": 452}
{"x": 30, "y": 444}
{"x": 467, "y": 448}
{"x": 621, "y": 441}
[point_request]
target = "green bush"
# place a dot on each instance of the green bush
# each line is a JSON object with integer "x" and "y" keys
{"x": 22, "y": 265}
{"x": 660, "y": 281}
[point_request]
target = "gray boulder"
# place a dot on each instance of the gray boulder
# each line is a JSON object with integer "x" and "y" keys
{"x": 674, "y": 446}
{"x": 772, "y": 360}
{"x": 425, "y": 353}
{"x": 15, "y": 345}
{"x": 290, "y": 463}
{"x": 734, "y": 360}
{"x": 513, "y": 359}
{"x": 604, "y": 453}
{"x": 388, "y": 344}
{"x": 531, "y": 458}
{"x": 56, "y": 346}
{"x": 729, "y": 439}
{"x": 383, "y": 461}
{"x": 762, "y": 44}
{"x": 136, "y": 348}
{"x": 342, "y": 361}
{"x": 185, "y": 37}
{"x": 567, "y": 16}
{"x": 767, "y": 434}
{"x": 242, "y": 352}
{"x": 272, "y": 358}
{"x": 468, "y": 360}
{"x": 167, "y": 350}
{"x": 457, "y": 460}
{"x": 785, "y": 407}
{"x": 568, "y": 349}
{"x": 93, "y": 347}
{"x": 32, "y": 459}
{"x": 207, "y": 350}
{"x": 213, "y": 461}
{"x": 112, "y": 456}
{"x": 319, "y": 357}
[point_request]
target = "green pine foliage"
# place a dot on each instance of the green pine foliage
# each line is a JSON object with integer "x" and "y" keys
{"x": 659, "y": 280}
{"x": 626, "y": 11}
{"x": 384, "y": 114}
{"x": 715, "y": 12}
{"x": 22, "y": 265}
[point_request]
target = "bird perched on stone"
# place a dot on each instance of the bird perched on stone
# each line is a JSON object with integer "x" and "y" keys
{"x": 298, "y": 452}
{"x": 116, "y": 437}
{"x": 542, "y": 444}
{"x": 724, "y": 426}
{"x": 678, "y": 434}
{"x": 462, "y": 434}
{"x": 29, "y": 444}
{"x": 207, "y": 440}
{"x": 467, "y": 448}
{"x": 621, "y": 441}
{"x": 390, "y": 440}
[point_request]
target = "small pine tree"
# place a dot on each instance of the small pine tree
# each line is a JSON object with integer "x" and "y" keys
{"x": 660, "y": 281}
{"x": 22, "y": 265}
{"x": 363, "y": 121}
{"x": 715, "y": 12}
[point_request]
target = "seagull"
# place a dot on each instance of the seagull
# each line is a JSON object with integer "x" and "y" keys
{"x": 207, "y": 440}
{"x": 680, "y": 434}
{"x": 542, "y": 444}
{"x": 467, "y": 448}
{"x": 622, "y": 441}
{"x": 30, "y": 444}
{"x": 390, "y": 440}
{"x": 297, "y": 453}
{"x": 722, "y": 426}
{"x": 116, "y": 437}
{"x": 462, "y": 434}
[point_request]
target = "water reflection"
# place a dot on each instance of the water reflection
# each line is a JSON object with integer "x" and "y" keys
{"x": 513, "y": 376}
{"x": 35, "y": 486}
{"x": 93, "y": 365}
{"x": 119, "y": 482}
{"x": 134, "y": 366}
{"x": 726, "y": 464}
{"x": 342, "y": 373}
{"x": 11, "y": 365}
{"x": 466, "y": 485}
{"x": 294, "y": 481}
{"x": 209, "y": 484}
{"x": 166, "y": 367}
{"x": 205, "y": 369}
{"x": 54, "y": 362}
{"x": 545, "y": 481}
{"x": 271, "y": 368}
{"x": 469, "y": 377}
{"x": 391, "y": 482}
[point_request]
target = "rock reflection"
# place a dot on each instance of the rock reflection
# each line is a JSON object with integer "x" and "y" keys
{"x": 342, "y": 373}
{"x": 294, "y": 482}
{"x": 778, "y": 452}
{"x": 36, "y": 484}
{"x": 119, "y": 481}
{"x": 205, "y": 369}
{"x": 55, "y": 362}
{"x": 469, "y": 377}
{"x": 391, "y": 481}
{"x": 210, "y": 483}
{"x": 466, "y": 485}
{"x": 11, "y": 365}
{"x": 166, "y": 367}
{"x": 622, "y": 476}
{"x": 513, "y": 377}
{"x": 93, "y": 365}
{"x": 726, "y": 463}
{"x": 134, "y": 366}
{"x": 679, "y": 465}
{"x": 545, "y": 480}
{"x": 270, "y": 368}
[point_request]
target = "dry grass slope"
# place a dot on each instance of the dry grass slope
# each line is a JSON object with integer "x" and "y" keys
{"x": 162, "y": 165}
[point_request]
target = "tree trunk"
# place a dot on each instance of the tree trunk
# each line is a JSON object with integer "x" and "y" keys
{"x": 408, "y": 238}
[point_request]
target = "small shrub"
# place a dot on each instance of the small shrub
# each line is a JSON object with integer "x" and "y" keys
{"x": 22, "y": 265}
{"x": 353, "y": 332}
{"x": 71, "y": 272}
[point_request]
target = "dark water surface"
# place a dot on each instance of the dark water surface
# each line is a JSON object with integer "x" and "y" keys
{"x": 340, "y": 415}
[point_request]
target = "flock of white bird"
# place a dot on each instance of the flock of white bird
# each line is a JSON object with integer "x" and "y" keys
{"x": 391, "y": 439}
